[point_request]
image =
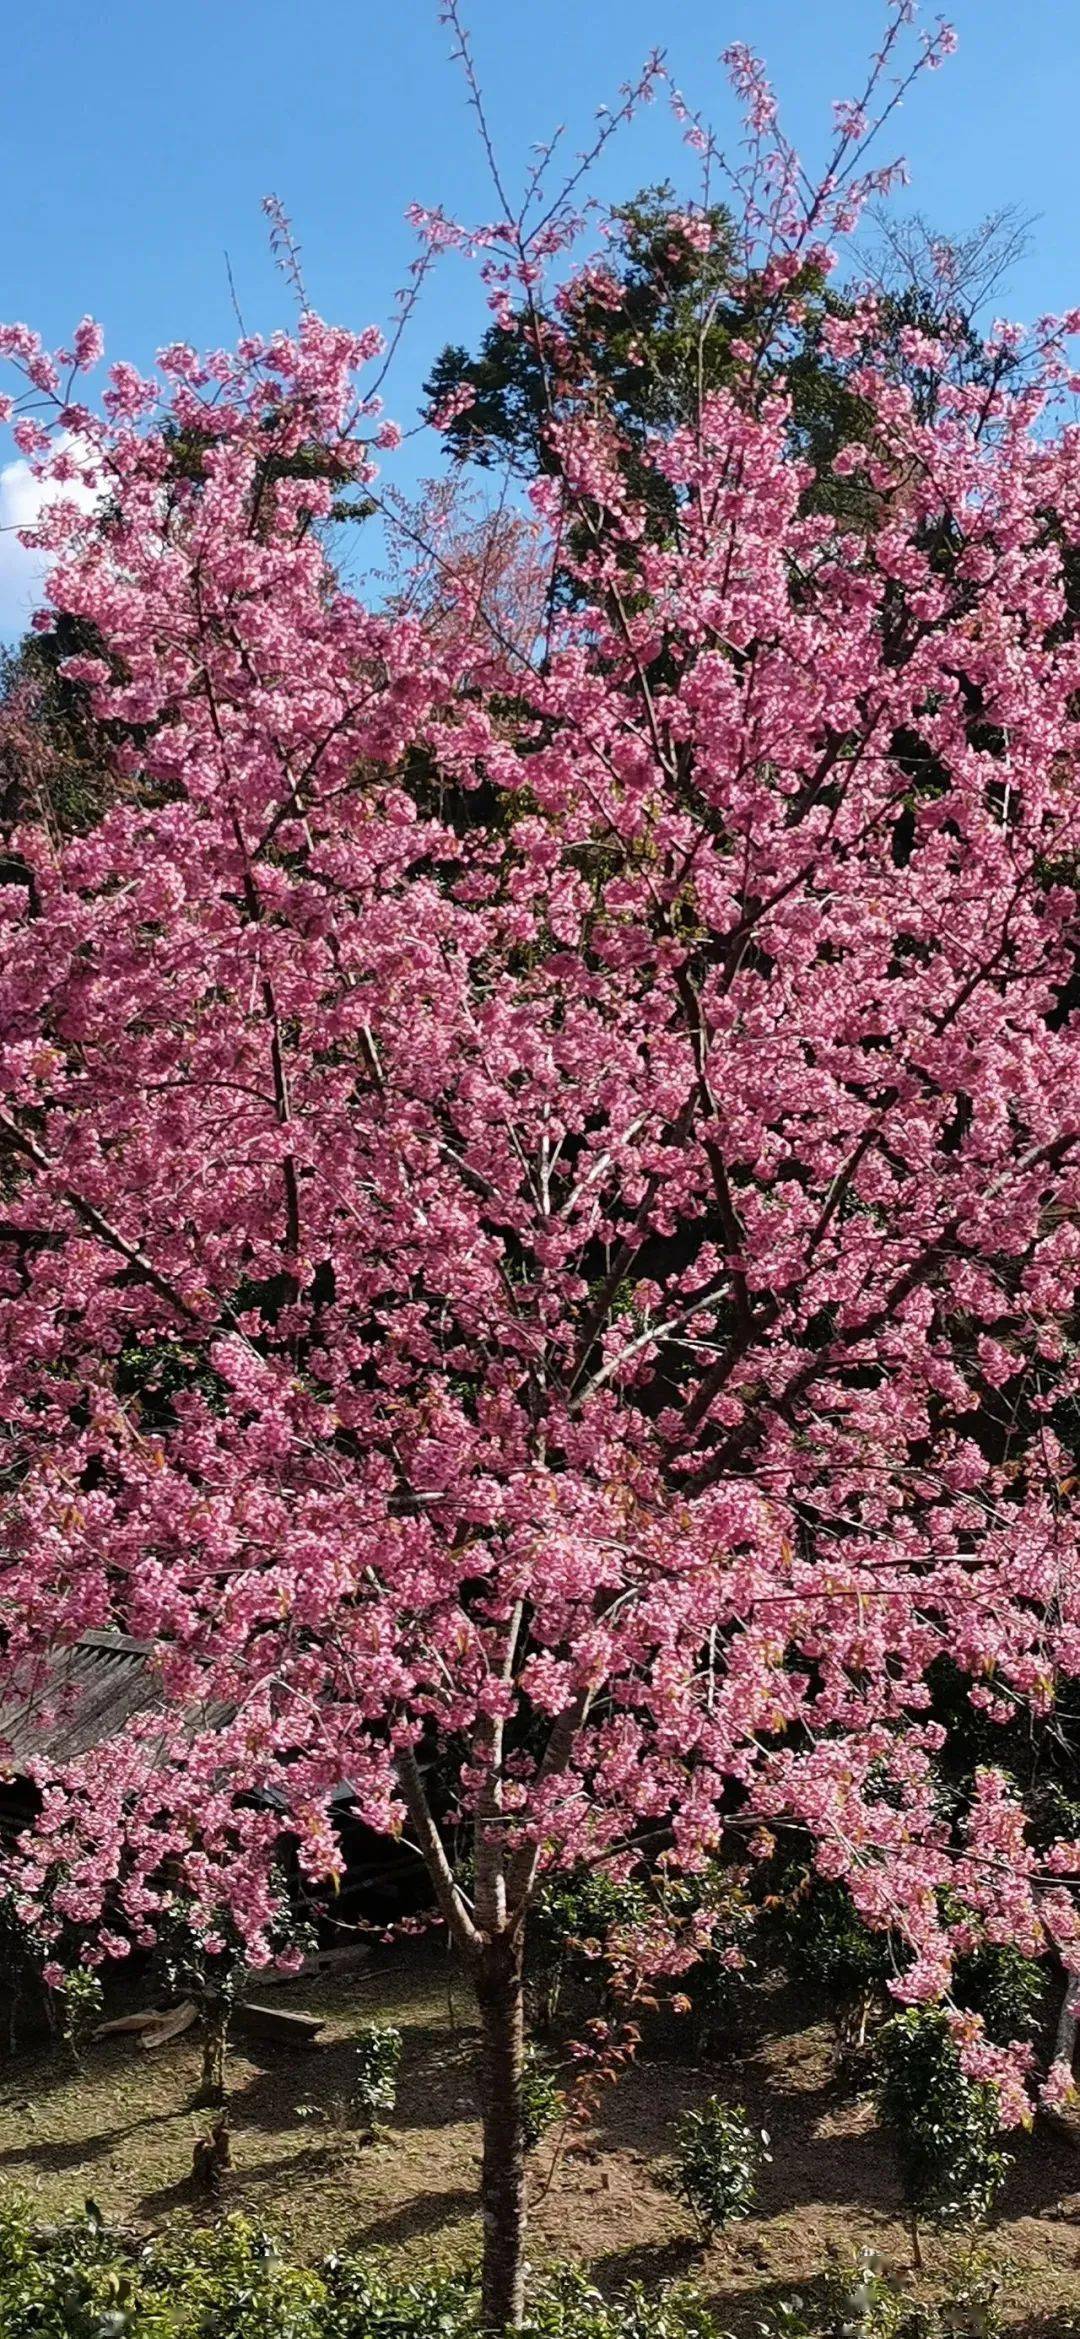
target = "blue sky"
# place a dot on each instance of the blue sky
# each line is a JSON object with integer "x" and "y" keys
{"x": 138, "y": 141}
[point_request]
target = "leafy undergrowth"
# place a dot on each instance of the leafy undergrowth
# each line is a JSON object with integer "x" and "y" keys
{"x": 122, "y": 2132}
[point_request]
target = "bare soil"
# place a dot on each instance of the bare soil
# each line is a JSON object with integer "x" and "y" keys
{"x": 122, "y": 2132}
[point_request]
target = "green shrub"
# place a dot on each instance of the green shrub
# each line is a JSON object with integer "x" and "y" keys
{"x": 868, "y": 2303}
{"x": 573, "y": 1932}
{"x": 361, "y": 2304}
{"x": 229, "y": 2282}
{"x": 565, "y": 2306}
{"x": 822, "y": 1940}
{"x": 717, "y": 2158}
{"x": 377, "y": 2054}
{"x": 714, "y": 1903}
{"x": 82, "y": 2000}
{"x": 79, "y": 2281}
{"x": 67, "y": 2281}
{"x": 21, "y": 1959}
{"x": 1005, "y": 1987}
{"x": 945, "y": 2125}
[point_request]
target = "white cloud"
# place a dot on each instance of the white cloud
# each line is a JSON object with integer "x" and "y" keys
{"x": 23, "y": 572}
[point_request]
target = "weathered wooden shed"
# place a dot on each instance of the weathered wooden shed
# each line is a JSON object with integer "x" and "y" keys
{"x": 78, "y": 1699}
{"x": 82, "y": 1696}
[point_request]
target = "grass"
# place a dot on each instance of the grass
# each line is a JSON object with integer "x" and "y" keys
{"x": 122, "y": 2132}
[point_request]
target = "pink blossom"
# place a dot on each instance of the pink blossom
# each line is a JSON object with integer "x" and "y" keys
{"x": 88, "y": 344}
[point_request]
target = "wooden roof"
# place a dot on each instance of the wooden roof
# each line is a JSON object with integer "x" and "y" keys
{"x": 80, "y": 1697}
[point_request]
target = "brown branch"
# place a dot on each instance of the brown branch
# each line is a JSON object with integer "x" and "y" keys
{"x": 98, "y": 1225}
{"x": 430, "y": 1845}
{"x": 522, "y": 1872}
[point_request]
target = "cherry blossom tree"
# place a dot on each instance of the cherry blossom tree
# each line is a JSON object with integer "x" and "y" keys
{"x": 540, "y": 1182}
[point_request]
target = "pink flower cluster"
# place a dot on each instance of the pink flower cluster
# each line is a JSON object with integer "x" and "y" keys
{"x": 542, "y": 1194}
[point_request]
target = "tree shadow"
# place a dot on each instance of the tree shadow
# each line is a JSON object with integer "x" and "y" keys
{"x": 162, "y": 2201}
{"x": 435, "y": 2088}
{"x": 41, "y": 2153}
{"x": 1045, "y": 2175}
{"x": 653, "y": 2264}
{"x": 166, "y": 2201}
{"x": 740, "y": 2307}
{"x": 745, "y": 2312}
{"x": 414, "y": 2220}
{"x": 850, "y": 2169}
{"x": 42, "y": 2073}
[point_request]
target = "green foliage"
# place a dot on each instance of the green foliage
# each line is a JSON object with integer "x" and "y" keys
{"x": 362, "y": 2304}
{"x": 822, "y": 1939}
{"x": 48, "y": 1939}
{"x": 55, "y": 758}
{"x": 715, "y": 1904}
{"x": 20, "y": 1960}
{"x": 543, "y": 2102}
{"x": 945, "y": 2125}
{"x": 566, "y": 2306}
{"x": 374, "y": 2087}
{"x": 672, "y": 323}
{"x": 866, "y": 2303}
{"x": 155, "y": 1372}
{"x": 651, "y": 355}
{"x": 573, "y": 1933}
{"x": 82, "y": 1999}
{"x": 228, "y": 2282}
{"x": 79, "y": 2281}
{"x": 1005, "y": 1987}
{"x": 716, "y": 2162}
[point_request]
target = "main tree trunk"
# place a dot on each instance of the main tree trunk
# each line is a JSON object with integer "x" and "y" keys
{"x": 502, "y": 2183}
{"x": 215, "y": 2037}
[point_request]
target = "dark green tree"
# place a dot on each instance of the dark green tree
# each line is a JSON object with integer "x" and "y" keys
{"x": 672, "y": 315}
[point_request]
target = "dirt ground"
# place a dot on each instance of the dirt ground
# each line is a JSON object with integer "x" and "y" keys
{"x": 123, "y": 2132}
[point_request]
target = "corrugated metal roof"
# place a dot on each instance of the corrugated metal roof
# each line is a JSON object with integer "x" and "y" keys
{"x": 80, "y": 1697}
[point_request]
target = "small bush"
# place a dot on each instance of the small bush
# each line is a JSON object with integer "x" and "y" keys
{"x": 945, "y": 2125}
{"x": 813, "y": 1923}
{"x": 79, "y": 2281}
{"x": 573, "y": 1932}
{"x": 717, "y": 2158}
{"x": 867, "y": 2303}
{"x": 361, "y": 2304}
{"x": 375, "y": 2073}
{"x": 82, "y": 2000}
{"x": 1005, "y": 1987}
{"x": 21, "y": 1958}
{"x": 64, "y": 2282}
{"x": 565, "y": 2306}
{"x": 712, "y": 1906}
{"x": 228, "y": 2282}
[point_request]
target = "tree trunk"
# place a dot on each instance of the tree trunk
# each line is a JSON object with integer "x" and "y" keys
{"x": 916, "y": 2245}
{"x": 215, "y": 2032}
{"x": 502, "y": 2183}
